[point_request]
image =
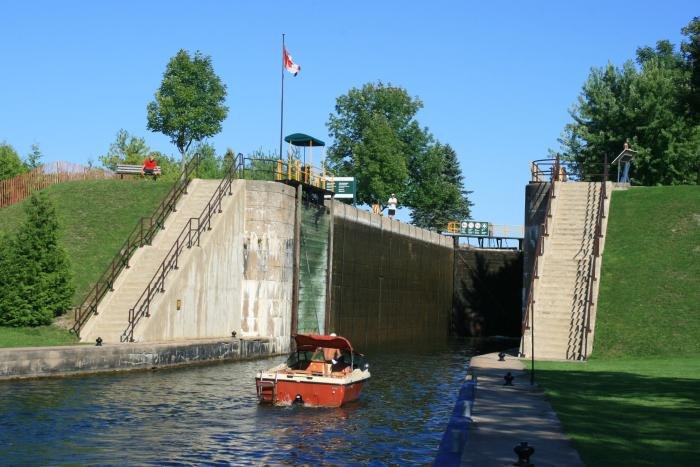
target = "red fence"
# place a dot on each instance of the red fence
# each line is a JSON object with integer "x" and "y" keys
{"x": 17, "y": 188}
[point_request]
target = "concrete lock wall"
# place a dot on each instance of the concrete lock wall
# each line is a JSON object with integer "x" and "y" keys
{"x": 239, "y": 279}
{"x": 488, "y": 286}
{"x": 391, "y": 282}
{"x": 536, "y": 196}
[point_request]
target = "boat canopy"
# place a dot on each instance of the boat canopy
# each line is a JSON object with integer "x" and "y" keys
{"x": 314, "y": 341}
{"x": 300, "y": 139}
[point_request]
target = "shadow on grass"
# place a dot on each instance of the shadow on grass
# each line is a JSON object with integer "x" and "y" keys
{"x": 617, "y": 417}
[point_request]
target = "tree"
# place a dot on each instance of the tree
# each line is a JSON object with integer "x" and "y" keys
{"x": 10, "y": 163}
{"x": 651, "y": 104}
{"x": 35, "y": 276}
{"x": 441, "y": 197}
{"x": 376, "y": 139}
{"x": 188, "y": 106}
{"x": 126, "y": 149}
{"x": 34, "y": 157}
{"x": 210, "y": 166}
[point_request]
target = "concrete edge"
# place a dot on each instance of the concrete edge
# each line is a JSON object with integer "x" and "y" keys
{"x": 46, "y": 362}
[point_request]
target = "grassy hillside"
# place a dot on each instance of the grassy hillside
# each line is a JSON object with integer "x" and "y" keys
{"x": 649, "y": 303}
{"x": 638, "y": 398}
{"x": 96, "y": 216}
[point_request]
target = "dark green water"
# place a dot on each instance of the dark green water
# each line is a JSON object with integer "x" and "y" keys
{"x": 210, "y": 415}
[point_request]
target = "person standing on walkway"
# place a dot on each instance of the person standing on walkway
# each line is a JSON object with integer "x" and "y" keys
{"x": 392, "y": 205}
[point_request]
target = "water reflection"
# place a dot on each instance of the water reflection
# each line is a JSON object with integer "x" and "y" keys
{"x": 211, "y": 415}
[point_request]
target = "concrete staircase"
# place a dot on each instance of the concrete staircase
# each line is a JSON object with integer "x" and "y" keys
{"x": 113, "y": 310}
{"x": 561, "y": 290}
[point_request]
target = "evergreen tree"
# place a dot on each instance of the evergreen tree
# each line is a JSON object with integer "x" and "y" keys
{"x": 653, "y": 104}
{"x": 440, "y": 197}
{"x": 34, "y": 269}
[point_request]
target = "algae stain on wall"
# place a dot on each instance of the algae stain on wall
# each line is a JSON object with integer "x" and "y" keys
{"x": 313, "y": 264}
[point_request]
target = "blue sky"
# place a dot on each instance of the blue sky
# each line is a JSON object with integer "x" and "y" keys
{"x": 496, "y": 78}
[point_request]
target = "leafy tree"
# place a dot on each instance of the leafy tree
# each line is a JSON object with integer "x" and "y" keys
{"x": 34, "y": 270}
{"x": 34, "y": 157}
{"x": 651, "y": 104}
{"x": 210, "y": 166}
{"x": 188, "y": 106}
{"x": 377, "y": 139}
{"x": 10, "y": 163}
{"x": 126, "y": 149}
{"x": 691, "y": 54}
{"x": 441, "y": 197}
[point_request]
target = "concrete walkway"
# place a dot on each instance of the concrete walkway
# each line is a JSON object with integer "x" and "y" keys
{"x": 504, "y": 416}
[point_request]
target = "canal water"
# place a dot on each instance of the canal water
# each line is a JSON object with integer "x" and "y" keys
{"x": 210, "y": 415}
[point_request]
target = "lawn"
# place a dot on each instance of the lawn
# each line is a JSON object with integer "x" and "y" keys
{"x": 636, "y": 412}
{"x": 96, "y": 217}
{"x": 35, "y": 337}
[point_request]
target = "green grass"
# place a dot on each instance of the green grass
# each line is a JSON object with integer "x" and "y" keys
{"x": 634, "y": 412}
{"x": 637, "y": 401}
{"x": 35, "y": 337}
{"x": 95, "y": 216}
{"x": 650, "y": 286}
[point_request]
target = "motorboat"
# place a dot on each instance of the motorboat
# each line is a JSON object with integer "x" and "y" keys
{"x": 323, "y": 371}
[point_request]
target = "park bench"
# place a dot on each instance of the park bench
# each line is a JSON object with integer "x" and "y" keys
{"x": 126, "y": 169}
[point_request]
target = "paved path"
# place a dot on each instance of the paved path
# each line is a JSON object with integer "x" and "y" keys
{"x": 504, "y": 416}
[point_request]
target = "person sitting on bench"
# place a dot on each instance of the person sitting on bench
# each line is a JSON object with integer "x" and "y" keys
{"x": 149, "y": 167}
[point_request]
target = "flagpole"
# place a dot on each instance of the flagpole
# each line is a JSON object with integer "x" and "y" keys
{"x": 282, "y": 99}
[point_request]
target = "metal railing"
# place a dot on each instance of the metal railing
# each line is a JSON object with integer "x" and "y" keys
{"x": 305, "y": 173}
{"x": 528, "y": 323}
{"x": 544, "y": 170}
{"x": 189, "y": 236}
{"x": 592, "y": 277}
{"x": 142, "y": 234}
{"x": 495, "y": 230}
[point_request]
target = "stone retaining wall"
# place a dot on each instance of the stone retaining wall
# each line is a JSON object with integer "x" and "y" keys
{"x": 84, "y": 359}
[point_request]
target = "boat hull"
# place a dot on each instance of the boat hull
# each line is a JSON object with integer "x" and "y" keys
{"x": 314, "y": 391}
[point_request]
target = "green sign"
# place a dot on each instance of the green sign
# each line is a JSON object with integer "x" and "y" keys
{"x": 343, "y": 187}
{"x": 476, "y": 228}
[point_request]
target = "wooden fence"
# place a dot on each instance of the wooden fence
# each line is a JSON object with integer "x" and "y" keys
{"x": 17, "y": 188}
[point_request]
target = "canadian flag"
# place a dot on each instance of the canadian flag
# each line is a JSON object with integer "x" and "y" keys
{"x": 289, "y": 64}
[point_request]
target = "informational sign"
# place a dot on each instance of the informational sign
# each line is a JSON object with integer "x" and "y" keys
{"x": 343, "y": 187}
{"x": 476, "y": 228}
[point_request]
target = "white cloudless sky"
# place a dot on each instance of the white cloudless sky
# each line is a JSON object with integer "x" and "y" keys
{"x": 496, "y": 78}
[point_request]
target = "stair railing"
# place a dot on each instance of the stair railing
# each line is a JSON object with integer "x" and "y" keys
{"x": 143, "y": 234}
{"x": 595, "y": 253}
{"x": 189, "y": 236}
{"x": 528, "y": 315}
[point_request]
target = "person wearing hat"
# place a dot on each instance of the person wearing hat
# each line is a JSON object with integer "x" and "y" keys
{"x": 392, "y": 205}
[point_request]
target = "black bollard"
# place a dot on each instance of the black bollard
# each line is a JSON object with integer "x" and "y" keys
{"x": 509, "y": 379}
{"x": 501, "y": 357}
{"x": 523, "y": 451}
{"x": 98, "y": 342}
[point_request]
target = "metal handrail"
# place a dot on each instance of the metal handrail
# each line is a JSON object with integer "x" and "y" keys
{"x": 542, "y": 170}
{"x": 527, "y": 322}
{"x": 138, "y": 237}
{"x": 189, "y": 235}
{"x": 592, "y": 278}
{"x": 495, "y": 230}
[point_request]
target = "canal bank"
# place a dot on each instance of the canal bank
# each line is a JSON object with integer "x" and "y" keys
{"x": 37, "y": 362}
{"x": 489, "y": 421}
